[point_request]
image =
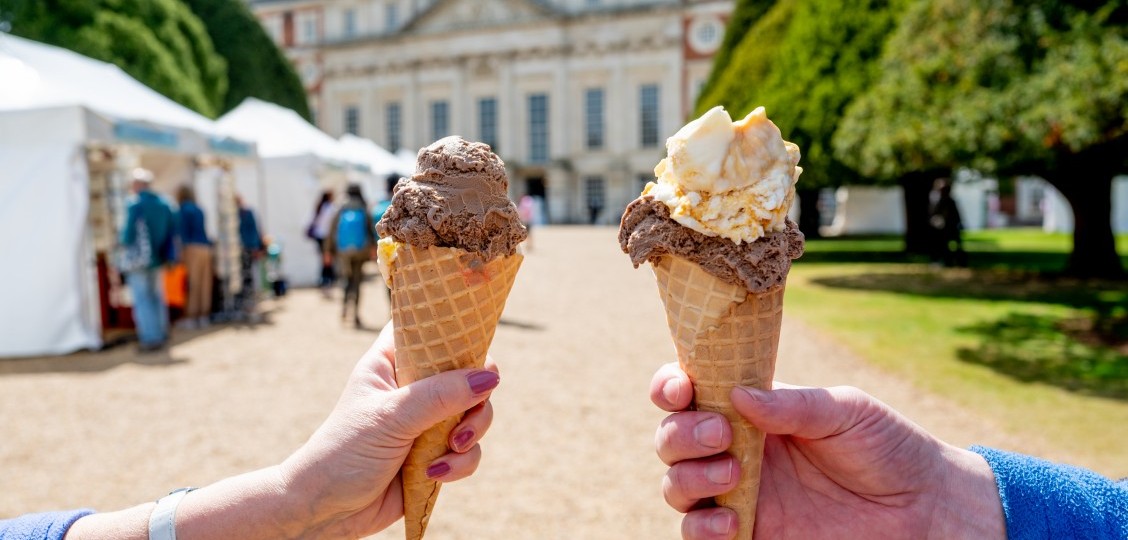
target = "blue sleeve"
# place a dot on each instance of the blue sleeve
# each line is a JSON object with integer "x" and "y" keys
{"x": 1044, "y": 500}
{"x": 45, "y": 526}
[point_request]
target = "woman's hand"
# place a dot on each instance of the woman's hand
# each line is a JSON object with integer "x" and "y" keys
{"x": 349, "y": 469}
{"x": 837, "y": 464}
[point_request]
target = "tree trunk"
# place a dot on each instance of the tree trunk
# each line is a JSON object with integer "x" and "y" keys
{"x": 917, "y": 232}
{"x": 809, "y": 215}
{"x": 1094, "y": 246}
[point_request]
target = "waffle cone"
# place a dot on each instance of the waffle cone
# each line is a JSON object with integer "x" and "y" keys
{"x": 725, "y": 336}
{"x": 446, "y": 304}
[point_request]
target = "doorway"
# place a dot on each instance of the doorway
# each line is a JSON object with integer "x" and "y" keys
{"x": 535, "y": 187}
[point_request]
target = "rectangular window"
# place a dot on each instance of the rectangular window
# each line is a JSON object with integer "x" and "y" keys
{"x": 440, "y": 119}
{"x": 391, "y": 16}
{"x": 307, "y": 29}
{"x": 538, "y": 128}
{"x": 350, "y": 23}
{"x": 593, "y": 118}
{"x": 487, "y": 122}
{"x": 395, "y": 122}
{"x": 648, "y": 114}
{"x": 352, "y": 119}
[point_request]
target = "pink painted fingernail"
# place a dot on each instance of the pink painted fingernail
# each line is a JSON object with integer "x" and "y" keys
{"x": 437, "y": 470}
{"x": 461, "y": 439}
{"x": 482, "y": 381}
{"x": 718, "y": 472}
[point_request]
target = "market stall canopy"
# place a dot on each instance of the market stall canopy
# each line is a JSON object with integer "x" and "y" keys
{"x": 380, "y": 161}
{"x": 281, "y": 132}
{"x": 38, "y": 76}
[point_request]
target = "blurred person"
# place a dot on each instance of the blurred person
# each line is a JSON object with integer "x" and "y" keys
{"x": 352, "y": 241}
{"x": 196, "y": 253}
{"x": 527, "y": 210}
{"x": 148, "y": 244}
{"x": 944, "y": 219}
{"x": 341, "y": 483}
{"x": 838, "y": 463}
{"x": 251, "y": 239}
{"x": 378, "y": 212}
{"x": 318, "y": 231}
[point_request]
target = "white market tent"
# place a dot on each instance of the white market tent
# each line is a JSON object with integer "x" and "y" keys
{"x": 299, "y": 161}
{"x": 57, "y": 110}
{"x": 381, "y": 163}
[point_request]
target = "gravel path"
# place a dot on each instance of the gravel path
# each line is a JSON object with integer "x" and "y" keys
{"x": 570, "y": 454}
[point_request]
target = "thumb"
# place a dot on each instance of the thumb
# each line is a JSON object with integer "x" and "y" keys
{"x": 808, "y": 413}
{"x": 426, "y": 402}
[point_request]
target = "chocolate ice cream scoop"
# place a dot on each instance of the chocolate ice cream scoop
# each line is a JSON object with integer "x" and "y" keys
{"x": 458, "y": 197}
{"x": 647, "y": 233}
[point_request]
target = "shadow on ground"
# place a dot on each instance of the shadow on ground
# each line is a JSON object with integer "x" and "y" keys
{"x": 1086, "y": 352}
{"x": 121, "y": 352}
{"x": 1049, "y": 350}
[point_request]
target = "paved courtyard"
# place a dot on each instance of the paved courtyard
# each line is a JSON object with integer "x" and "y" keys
{"x": 570, "y": 454}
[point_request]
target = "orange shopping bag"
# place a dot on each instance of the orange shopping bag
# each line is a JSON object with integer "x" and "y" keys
{"x": 176, "y": 285}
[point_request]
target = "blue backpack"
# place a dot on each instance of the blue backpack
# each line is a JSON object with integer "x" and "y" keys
{"x": 351, "y": 233}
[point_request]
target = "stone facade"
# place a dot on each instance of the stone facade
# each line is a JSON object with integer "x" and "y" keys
{"x": 577, "y": 96}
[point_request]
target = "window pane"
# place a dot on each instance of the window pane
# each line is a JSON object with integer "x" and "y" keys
{"x": 593, "y": 118}
{"x": 350, "y": 23}
{"x": 440, "y": 119}
{"x": 394, "y": 123}
{"x": 487, "y": 122}
{"x": 352, "y": 119}
{"x": 391, "y": 16}
{"x": 648, "y": 109}
{"x": 538, "y": 128}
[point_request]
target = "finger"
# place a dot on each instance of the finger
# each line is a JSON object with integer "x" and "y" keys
{"x": 691, "y": 435}
{"x": 472, "y": 427}
{"x": 809, "y": 413}
{"x": 670, "y": 388}
{"x": 709, "y": 524}
{"x": 418, "y": 406}
{"x": 454, "y": 466}
{"x": 377, "y": 368}
{"x": 688, "y": 482}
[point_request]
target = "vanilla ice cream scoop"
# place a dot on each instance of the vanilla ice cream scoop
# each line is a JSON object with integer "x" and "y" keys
{"x": 735, "y": 180}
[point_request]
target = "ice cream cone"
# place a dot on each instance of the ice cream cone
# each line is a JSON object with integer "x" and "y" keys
{"x": 446, "y": 304}
{"x": 725, "y": 336}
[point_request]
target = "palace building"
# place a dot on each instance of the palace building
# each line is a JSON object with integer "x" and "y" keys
{"x": 576, "y": 96}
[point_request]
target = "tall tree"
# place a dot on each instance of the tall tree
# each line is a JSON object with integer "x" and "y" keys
{"x": 1008, "y": 87}
{"x": 806, "y": 60}
{"x": 159, "y": 42}
{"x": 255, "y": 65}
{"x": 745, "y": 15}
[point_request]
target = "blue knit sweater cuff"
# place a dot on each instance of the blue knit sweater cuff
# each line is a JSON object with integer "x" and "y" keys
{"x": 1043, "y": 500}
{"x": 44, "y": 526}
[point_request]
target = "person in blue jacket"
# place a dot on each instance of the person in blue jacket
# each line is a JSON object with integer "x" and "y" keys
{"x": 838, "y": 463}
{"x": 147, "y": 241}
{"x": 342, "y": 483}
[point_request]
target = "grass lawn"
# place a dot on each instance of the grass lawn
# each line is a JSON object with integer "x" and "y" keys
{"x": 1045, "y": 356}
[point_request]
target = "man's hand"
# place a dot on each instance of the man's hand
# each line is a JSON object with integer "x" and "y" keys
{"x": 837, "y": 464}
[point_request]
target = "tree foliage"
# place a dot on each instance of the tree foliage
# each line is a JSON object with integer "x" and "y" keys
{"x": 805, "y": 61}
{"x": 999, "y": 85}
{"x": 158, "y": 42}
{"x": 255, "y": 65}
{"x": 1008, "y": 87}
{"x": 745, "y": 15}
